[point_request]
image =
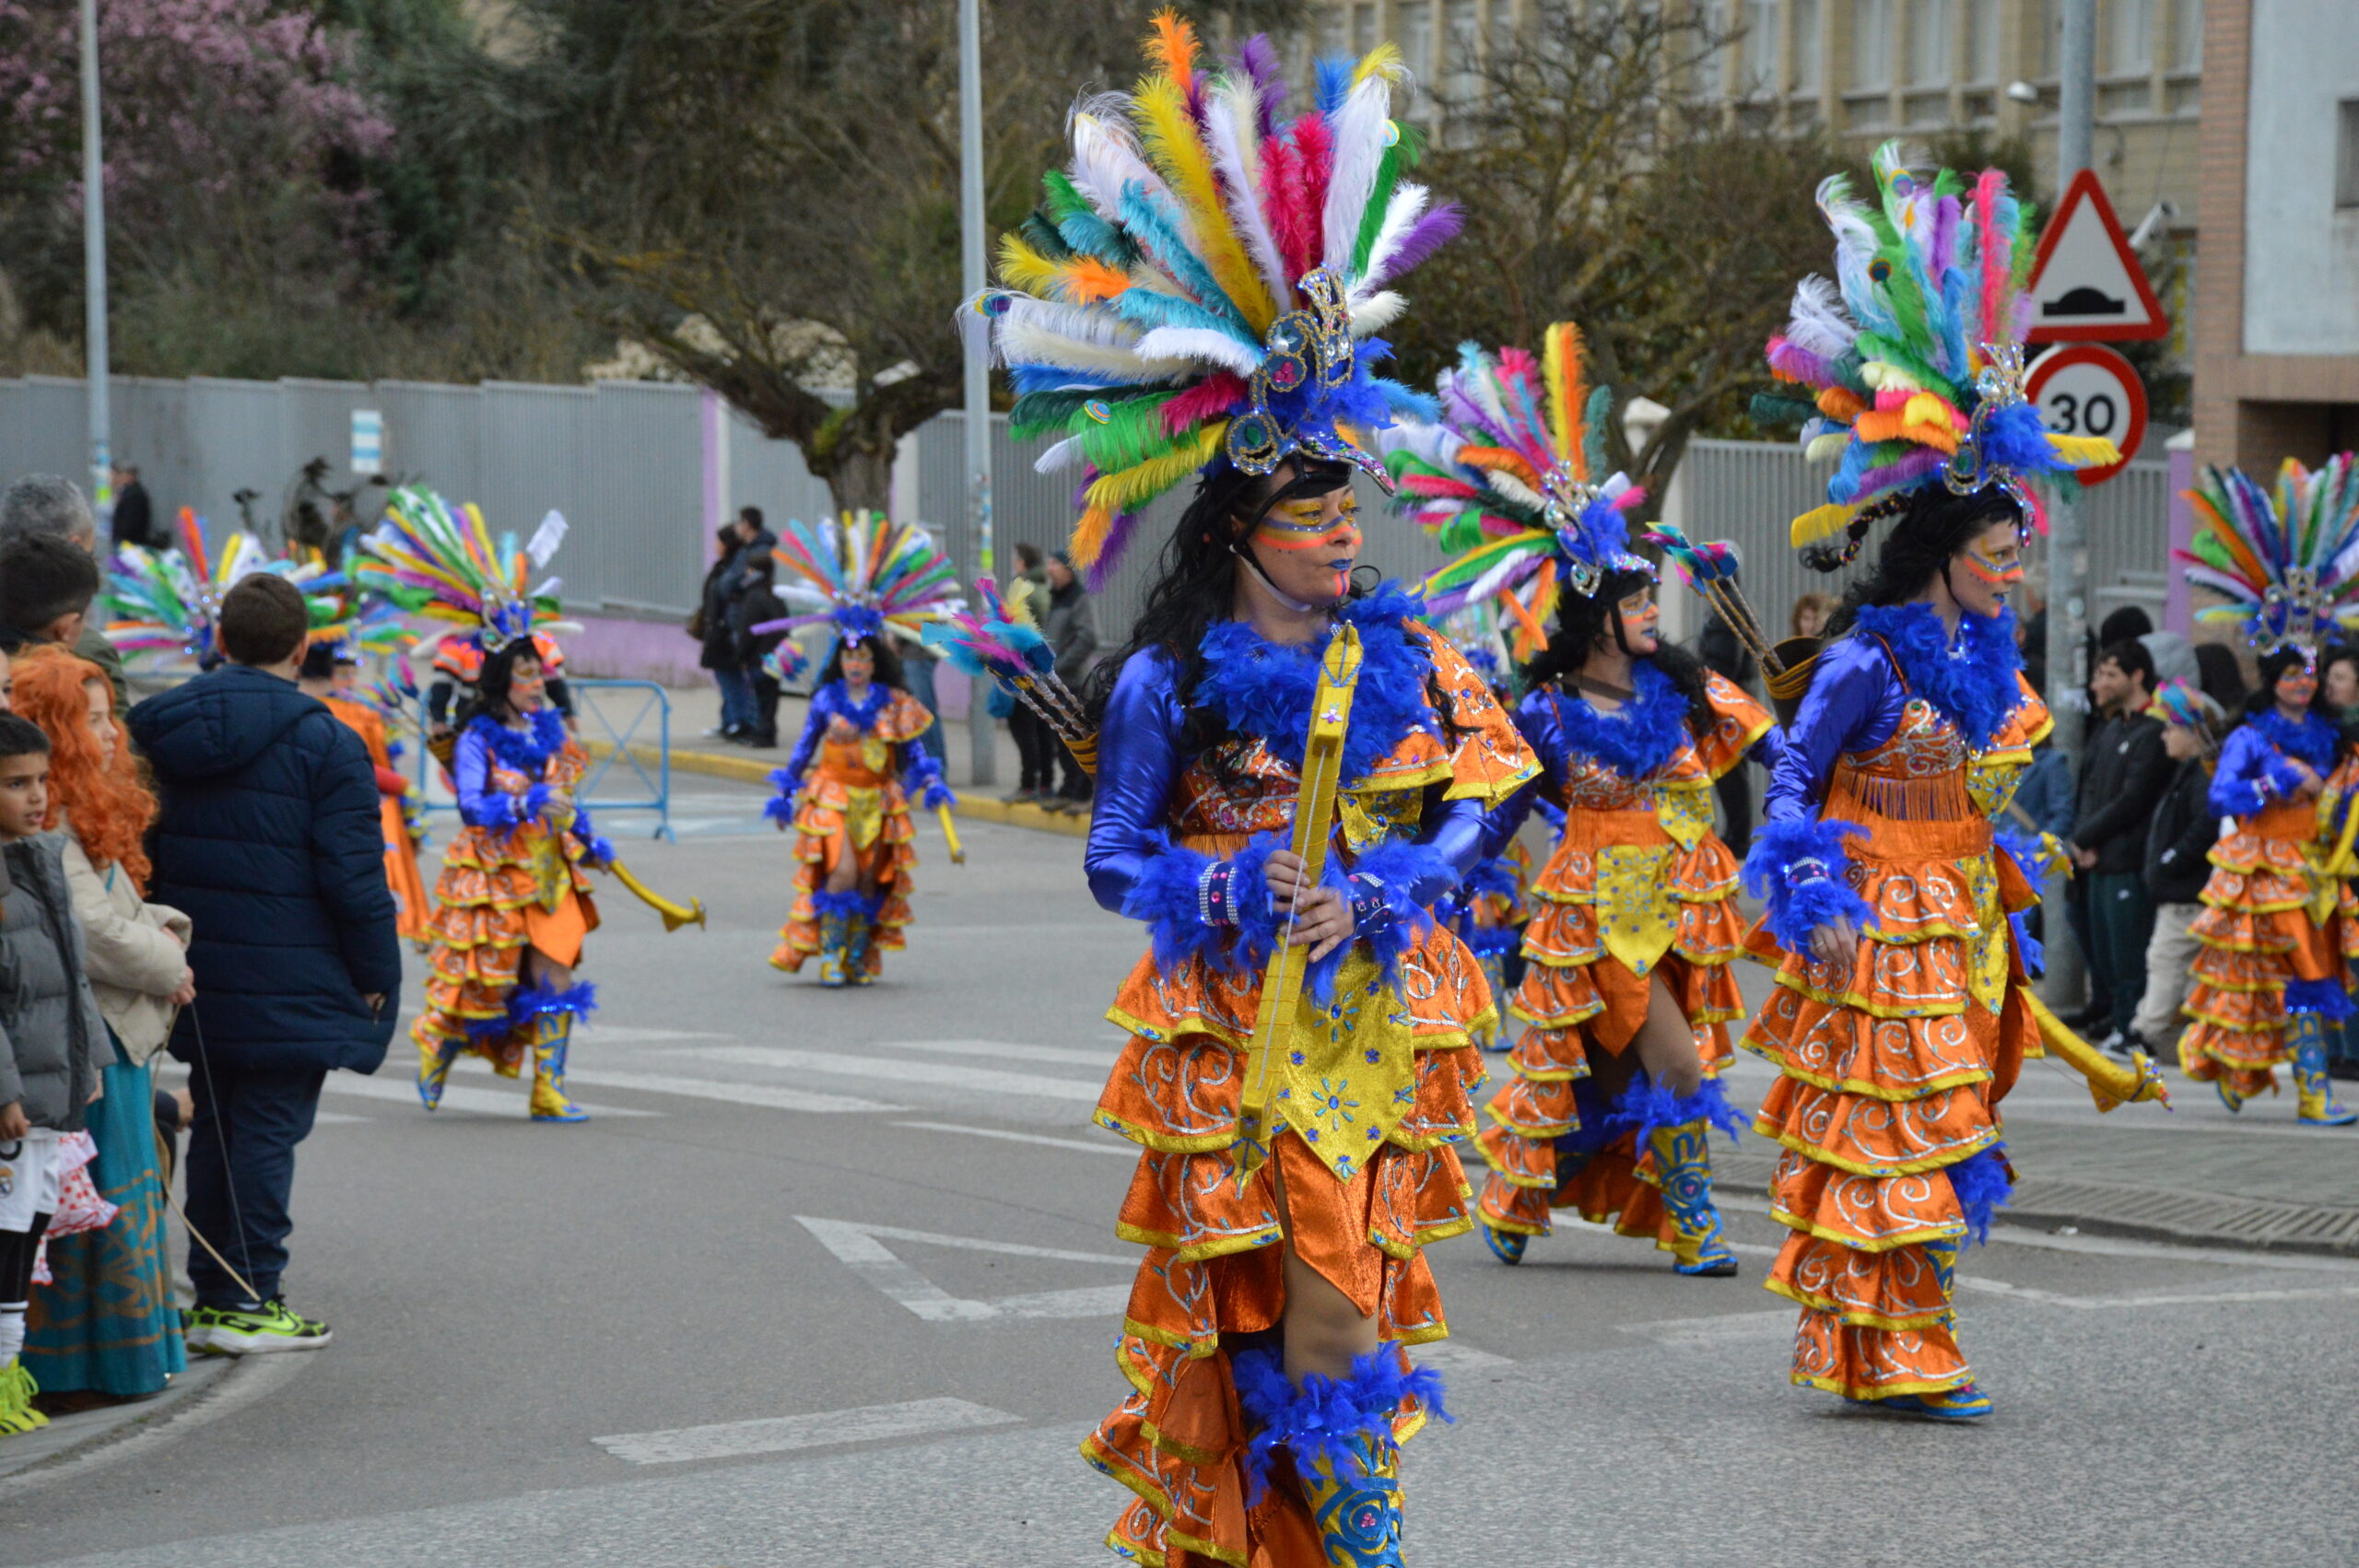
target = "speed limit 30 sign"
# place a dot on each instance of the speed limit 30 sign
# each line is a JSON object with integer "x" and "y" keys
{"x": 2085, "y": 389}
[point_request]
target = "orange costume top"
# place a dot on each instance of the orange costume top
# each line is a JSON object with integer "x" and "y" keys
{"x": 1892, "y": 1064}
{"x": 1638, "y": 885}
{"x": 2282, "y": 924}
{"x": 1372, "y": 1093}
{"x": 842, "y": 791}
{"x": 514, "y": 877}
{"x": 401, "y": 850}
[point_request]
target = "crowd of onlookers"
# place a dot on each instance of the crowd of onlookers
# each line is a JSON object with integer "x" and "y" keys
{"x": 203, "y": 873}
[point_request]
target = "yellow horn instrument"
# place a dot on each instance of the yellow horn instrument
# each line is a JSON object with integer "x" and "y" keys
{"x": 674, "y": 916}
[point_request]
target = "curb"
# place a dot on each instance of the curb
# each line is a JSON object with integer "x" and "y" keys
{"x": 76, "y": 1444}
{"x": 2153, "y": 1213}
{"x": 746, "y": 770}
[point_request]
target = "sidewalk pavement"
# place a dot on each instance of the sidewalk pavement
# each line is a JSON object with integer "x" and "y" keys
{"x": 2195, "y": 1174}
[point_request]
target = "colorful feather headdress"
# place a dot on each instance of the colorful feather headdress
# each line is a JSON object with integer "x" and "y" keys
{"x": 433, "y": 559}
{"x": 169, "y": 602}
{"x": 865, "y": 575}
{"x": 1204, "y": 280}
{"x": 2287, "y": 561}
{"x": 350, "y": 617}
{"x": 2184, "y": 704}
{"x": 1914, "y": 356}
{"x": 1510, "y": 483}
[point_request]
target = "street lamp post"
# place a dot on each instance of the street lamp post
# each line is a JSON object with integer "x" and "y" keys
{"x": 981, "y": 733}
{"x": 94, "y": 265}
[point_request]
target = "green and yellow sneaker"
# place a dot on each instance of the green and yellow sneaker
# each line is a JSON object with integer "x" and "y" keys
{"x": 253, "y": 1330}
{"x": 17, "y": 1391}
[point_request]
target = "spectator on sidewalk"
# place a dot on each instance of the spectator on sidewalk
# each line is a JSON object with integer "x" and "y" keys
{"x": 724, "y": 599}
{"x": 1811, "y": 611}
{"x": 2123, "y": 775}
{"x": 1070, "y": 627}
{"x": 50, "y": 1041}
{"x": 269, "y": 838}
{"x": 2339, "y": 689}
{"x": 105, "y": 1325}
{"x": 761, "y": 605}
{"x": 709, "y": 625}
{"x": 2177, "y": 847}
{"x": 1725, "y": 654}
{"x": 2221, "y": 677}
{"x": 133, "y": 522}
{"x": 1035, "y": 745}
{"x": 2042, "y": 804}
{"x": 43, "y": 503}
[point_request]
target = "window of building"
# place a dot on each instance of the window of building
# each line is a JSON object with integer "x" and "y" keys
{"x": 2187, "y": 35}
{"x": 2129, "y": 41}
{"x": 1462, "y": 52}
{"x": 2347, "y": 154}
{"x": 1871, "y": 43}
{"x": 2051, "y": 13}
{"x": 1982, "y": 41}
{"x": 1363, "y": 29}
{"x": 1807, "y": 47}
{"x": 1412, "y": 30}
{"x": 1928, "y": 42}
{"x": 1333, "y": 34}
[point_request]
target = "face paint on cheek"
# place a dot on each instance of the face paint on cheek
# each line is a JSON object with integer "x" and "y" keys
{"x": 1998, "y": 576}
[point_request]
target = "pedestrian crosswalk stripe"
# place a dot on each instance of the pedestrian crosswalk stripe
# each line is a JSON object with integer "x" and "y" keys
{"x": 455, "y": 1096}
{"x": 902, "y": 1070}
{"x": 1004, "y": 1050}
{"x": 778, "y": 1435}
{"x": 1121, "y": 1151}
{"x": 859, "y": 1247}
{"x": 770, "y": 1095}
{"x": 1449, "y": 1355}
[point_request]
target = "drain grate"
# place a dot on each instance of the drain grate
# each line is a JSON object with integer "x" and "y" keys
{"x": 2258, "y": 1223}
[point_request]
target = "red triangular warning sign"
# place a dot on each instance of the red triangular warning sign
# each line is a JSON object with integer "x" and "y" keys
{"x": 2087, "y": 284}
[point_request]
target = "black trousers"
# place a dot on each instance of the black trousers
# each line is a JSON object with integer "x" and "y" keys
{"x": 1736, "y": 809}
{"x": 765, "y": 706}
{"x": 1036, "y": 743}
{"x": 242, "y": 1172}
{"x": 1076, "y": 786}
{"x": 18, "y": 1250}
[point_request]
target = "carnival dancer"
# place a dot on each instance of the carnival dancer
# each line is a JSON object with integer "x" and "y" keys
{"x": 512, "y": 906}
{"x": 845, "y": 789}
{"x": 1626, "y": 987}
{"x": 1901, "y": 1016}
{"x": 2281, "y": 926}
{"x": 1196, "y": 294}
{"x": 331, "y": 671}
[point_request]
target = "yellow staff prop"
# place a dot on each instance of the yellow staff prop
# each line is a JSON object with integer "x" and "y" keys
{"x": 674, "y": 916}
{"x": 950, "y": 833}
{"x": 1314, "y": 818}
{"x": 2110, "y": 1083}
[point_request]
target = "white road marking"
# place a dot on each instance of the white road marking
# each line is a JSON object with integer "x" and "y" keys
{"x": 1449, "y": 1355}
{"x": 769, "y": 1094}
{"x": 860, "y": 1247}
{"x": 2119, "y": 1303}
{"x": 869, "y": 1423}
{"x": 2111, "y": 1246}
{"x": 455, "y": 1096}
{"x": 1777, "y": 1323}
{"x": 902, "y": 1069}
{"x": 623, "y": 1035}
{"x": 1003, "y": 1051}
{"x": 1122, "y": 1151}
{"x": 329, "y": 1119}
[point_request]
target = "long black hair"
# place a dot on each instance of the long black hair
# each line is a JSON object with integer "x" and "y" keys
{"x": 1195, "y": 586}
{"x": 498, "y": 674}
{"x": 2273, "y": 666}
{"x": 1934, "y": 525}
{"x": 1587, "y": 622}
{"x": 888, "y": 664}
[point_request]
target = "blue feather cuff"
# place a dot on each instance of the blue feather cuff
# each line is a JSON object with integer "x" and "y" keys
{"x": 1647, "y": 1107}
{"x": 1330, "y": 1423}
{"x": 1982, "y": 1184}
{"x": 1801, "y": 868}
{"x": 1166, "y": 897}
{"x": 2325, "y": 998}
{"x": 1386, "y": 911}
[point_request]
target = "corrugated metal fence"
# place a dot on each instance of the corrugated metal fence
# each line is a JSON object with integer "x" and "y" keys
{"x": 625, "y": 461}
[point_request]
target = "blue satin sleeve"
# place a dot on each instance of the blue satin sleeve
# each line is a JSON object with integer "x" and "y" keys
{"x": 1539, "y": 719}
{"x": 1769, "y": 750}
{"x": 1855, "y": 704}
{"x": 1138, "y": 762}
{"x": 2251, "y": 775}
{"x": 798, "y": 762}
{"x": 1458, "y": 832}
{"x": 480, "y": 805}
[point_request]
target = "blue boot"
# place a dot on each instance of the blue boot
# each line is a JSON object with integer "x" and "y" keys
{"x": 2314, "y": 1089}
{"x": 1338, "y": 1432}
{"x": 1674, "y": 1131}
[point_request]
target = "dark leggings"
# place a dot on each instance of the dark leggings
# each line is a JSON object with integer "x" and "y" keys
{"x": 17, "y": 1251}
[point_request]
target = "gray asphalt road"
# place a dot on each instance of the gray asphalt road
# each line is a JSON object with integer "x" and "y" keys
{"x": 832, "y": 1278}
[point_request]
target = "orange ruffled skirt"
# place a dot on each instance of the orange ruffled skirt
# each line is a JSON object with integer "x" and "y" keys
{"x": 1213, "y": 1265}
{"x": 489, "y": 909}
{"x": 1577, "y": 997}
{"x": 1888, "y": 1076}
{"x": 869, "y": 822}
{"x": 2258, "y": 933}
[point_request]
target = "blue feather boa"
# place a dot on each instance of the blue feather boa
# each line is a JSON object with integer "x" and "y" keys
{"x": 527, "y": 755}
{"x": 1327, "y": 1422}
{"x": 2311, "y": 740}
{"x": 834, "y": 700}
{"x": 1637, "y": 740}
{"x": 1264, "y": 689}
{"x": 1797, "y": 908}
{"x": 1972, "y": 682}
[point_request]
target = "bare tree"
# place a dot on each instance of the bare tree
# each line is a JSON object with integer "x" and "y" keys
{"x": 1604, "y": 185}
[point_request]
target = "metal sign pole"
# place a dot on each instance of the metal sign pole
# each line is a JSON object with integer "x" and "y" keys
{"x": 981, "y": 732}
{"x": 94, "y": 267}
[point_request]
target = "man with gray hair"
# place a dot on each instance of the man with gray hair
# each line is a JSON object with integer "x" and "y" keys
{"x": 45, "y": 503}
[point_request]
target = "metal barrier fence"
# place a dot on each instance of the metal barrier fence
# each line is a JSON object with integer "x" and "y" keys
{"x": 608, "y": 734}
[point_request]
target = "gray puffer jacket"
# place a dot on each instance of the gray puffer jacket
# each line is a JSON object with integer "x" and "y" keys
{"x": 50, "y": 1035}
